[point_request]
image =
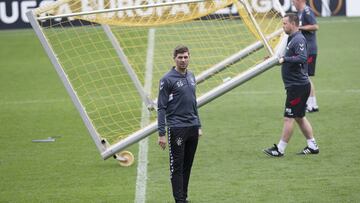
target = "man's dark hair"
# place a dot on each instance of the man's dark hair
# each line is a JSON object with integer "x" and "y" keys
{"x": 180, "y": 49}
{"x": 293, "y": 18}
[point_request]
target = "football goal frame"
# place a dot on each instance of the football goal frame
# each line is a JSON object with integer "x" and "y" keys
{"x": 106, "y": 150}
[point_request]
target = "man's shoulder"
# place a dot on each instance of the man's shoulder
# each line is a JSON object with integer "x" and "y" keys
{"x": 190, "y": 73}
{"x": 298, "y": 37}
{"x": 308, "y": 11}
{"x": 167, "y": 75}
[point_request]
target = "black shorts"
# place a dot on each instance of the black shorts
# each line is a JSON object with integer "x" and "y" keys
{"x": 311, "y": 61}
{"x": 296, "y": 97}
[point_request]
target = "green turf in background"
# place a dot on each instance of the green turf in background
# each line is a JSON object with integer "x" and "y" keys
{"x": 229, "y": 165}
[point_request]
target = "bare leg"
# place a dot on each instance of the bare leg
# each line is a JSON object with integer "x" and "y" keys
{"x": 307, "y": 130}
{"x": 287, "y": 129}
{"x": 305, "y": 127}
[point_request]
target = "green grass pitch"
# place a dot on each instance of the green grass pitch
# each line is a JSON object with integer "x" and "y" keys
{"x": 229, "y": 165}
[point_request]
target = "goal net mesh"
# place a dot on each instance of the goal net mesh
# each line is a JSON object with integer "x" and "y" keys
{"x": 213, "y": 30}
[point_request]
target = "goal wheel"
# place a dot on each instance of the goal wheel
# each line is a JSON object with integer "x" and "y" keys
{"x": 125, "y": 158}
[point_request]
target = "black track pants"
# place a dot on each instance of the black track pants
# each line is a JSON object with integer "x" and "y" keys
{"x": 182, "y": 147}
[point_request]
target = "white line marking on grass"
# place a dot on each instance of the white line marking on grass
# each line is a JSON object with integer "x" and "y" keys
{"x": 141, "y": 178}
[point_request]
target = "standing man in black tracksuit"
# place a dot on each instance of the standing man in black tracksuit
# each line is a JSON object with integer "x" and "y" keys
{"x": 297, "y": 85}
{"x": 177, "y": 110}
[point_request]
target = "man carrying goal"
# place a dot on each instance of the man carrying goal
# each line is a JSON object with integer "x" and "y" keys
{"x": 177, "y": 109}
{"x": 297, "y": 86}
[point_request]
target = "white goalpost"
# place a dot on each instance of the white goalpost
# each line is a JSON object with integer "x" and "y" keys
{"x": 111, "y": 54}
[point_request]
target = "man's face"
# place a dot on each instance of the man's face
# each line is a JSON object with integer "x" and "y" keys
{"x": 182, "y": 60}
{"x": 287, "y": 26}
{"x": 297, "y": 4}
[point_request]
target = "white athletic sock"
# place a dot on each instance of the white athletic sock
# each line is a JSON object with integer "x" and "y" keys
{"x": 282, "y": 146}
{"x": 314, "y": 103}
{"x": 309, "y": 103}
{"x": 312, "y": 143}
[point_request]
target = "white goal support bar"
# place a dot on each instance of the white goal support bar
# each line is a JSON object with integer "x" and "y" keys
{"x": 231, "y": 60}
{"x": 234, "y": 58}
{"x": 265, "y": 41}
{"x": 115, "y": 43}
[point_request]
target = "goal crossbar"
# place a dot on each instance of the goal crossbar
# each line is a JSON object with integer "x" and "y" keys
{"x": 117, "y": 9}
